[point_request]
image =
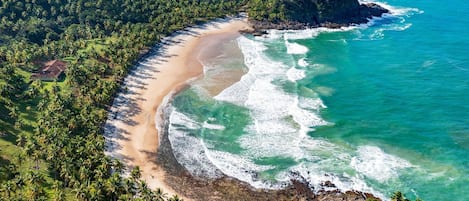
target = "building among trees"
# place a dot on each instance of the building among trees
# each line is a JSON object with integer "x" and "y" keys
{"x": 50, "y": 71}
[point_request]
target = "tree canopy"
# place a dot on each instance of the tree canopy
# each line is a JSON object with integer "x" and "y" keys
{"x": 56, "y": 127}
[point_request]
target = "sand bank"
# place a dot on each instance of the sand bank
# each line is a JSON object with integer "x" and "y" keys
{"x": 131, "y": 130}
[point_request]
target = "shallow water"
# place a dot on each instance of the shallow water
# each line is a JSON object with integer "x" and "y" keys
{"x": 378, "y": 108}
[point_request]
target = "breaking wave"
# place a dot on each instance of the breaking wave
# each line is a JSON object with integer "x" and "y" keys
{"x": 281, "y": 120}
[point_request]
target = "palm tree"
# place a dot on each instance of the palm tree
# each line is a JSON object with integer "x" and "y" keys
{"x": 35, "y": 181}
{"x": 129, "y": 186}
{"x": 21, "y": 140}
{"x": 59, "y": 195}
{"x": 160, "y": 195}
{"x": 9, "y": 188}
{"x": 81, "y": 192}
{"x": 175, "y": 198}
{"x": 398, "y": 196}
{"x": 113, "y": 186}
{"x": 136, "y": 173}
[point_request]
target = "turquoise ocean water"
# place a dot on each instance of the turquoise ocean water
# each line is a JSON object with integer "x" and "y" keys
{"x": 378, "y": 108}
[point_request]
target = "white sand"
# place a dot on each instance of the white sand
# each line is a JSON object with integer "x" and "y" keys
{"x": 130, "y": 131}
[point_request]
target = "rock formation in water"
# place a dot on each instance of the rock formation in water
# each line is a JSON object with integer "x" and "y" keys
{"x": 300, "y": 14}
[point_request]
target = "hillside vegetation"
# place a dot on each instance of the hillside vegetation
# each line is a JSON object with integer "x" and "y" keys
{"x": 310, "y": 13}
{"x": 51, "y": 143}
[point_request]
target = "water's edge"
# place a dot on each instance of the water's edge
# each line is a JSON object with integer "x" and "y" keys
{"x": 229, "y": 188}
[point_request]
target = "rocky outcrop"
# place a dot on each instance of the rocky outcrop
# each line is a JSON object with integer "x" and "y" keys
{"x": 228, "y": 188}
{"x": 300, "y": 14}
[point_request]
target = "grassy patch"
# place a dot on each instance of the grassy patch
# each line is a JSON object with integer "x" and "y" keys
{"x": 99, "y": 45}
{"x": 49, "y": 85}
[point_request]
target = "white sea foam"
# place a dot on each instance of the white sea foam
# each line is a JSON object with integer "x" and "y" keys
{"x": 294, "y": 74}
{"x": 270, "y": 136}
{"x": 280, "y": 119}
{"x": 302, "y": 62}
{"x": 295, "y": 48}
{"x": 236, "y": 93}
{"x": 395, "y": 12}
{"x": 213, "y": 126}
{"x": 289, "y": 35}
{"x": 374, "y": 163}
{"x": 239, "y": 167}
{"x": 188, "y": 150}
{"x": 399, "y": 11}
{"x": 316, "y": 176}
{"x": 280, "y": 126}
{"x": 300, "y": 34}
{"x": 311, "y": 103}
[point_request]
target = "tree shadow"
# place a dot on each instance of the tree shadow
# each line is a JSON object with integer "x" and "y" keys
{"x": 7, "y": 133}
{"x": 126, "y": 104}
{"x": 4, "y": 166}
{"x": 112, "y": 134}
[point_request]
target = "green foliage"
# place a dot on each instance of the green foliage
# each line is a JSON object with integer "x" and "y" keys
{"x": 271, "y": 10}
{"x": 312, "y": 12}
{"x": 304, "y": 11}
{"x": 57, "y": 126}
{"x": 398, "y": 196}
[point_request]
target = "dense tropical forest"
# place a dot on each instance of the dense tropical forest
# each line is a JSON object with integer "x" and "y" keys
{"x": 300, "y": 14}
{"x": 51, "y": 142}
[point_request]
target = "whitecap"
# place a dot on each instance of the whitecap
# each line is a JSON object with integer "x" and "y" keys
{"x": 280, "y": 128}
{"x": 295, "y": 48}
{"x": 395, "y": 10}
{"x": 239, "y": 167}
{"x": 298, "y": 34}
{"x": 302, "y": 62}
{"x": 294, "y": 74}
{"x": 213, "y": 126}
{"x": 188, "y": 150}
{"x": 374, "y": 163}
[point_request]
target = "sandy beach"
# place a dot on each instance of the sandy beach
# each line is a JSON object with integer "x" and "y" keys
{"x": 131, "y": 130}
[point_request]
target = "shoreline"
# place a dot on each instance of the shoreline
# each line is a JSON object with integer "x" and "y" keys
{"x": 136, "y": 130}
{"x": 131, "y": 129}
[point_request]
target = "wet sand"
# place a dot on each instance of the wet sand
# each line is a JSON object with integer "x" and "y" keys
{"x": 136, "y": 128}
{"x": 131, "y": 130}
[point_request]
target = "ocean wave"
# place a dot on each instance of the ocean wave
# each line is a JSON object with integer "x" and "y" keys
{"x": 277, "y": 116}
{"x": 372, "y": 162}
{"x": 393, "y": 21}
{"x": 281, "y": 121}
{"x": 291, "y": 35}
{"x": 239, "y": 167}
{"x": 295, "y": 74}
{"x": 302, "y": 62}
{"x": 189, "y": 150}
{"x": 395, "y": 13}
{"x": 396, "y": 10}
{"x": 295, "y": 48}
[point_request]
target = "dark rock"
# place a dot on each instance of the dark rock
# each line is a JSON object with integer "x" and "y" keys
{"x": 229, "y": 188}
{"x": 254, "y": 32}
{"x": 331, "y": 25}
{"x": 328, "y": 184}
{"x": 347, "y": 196}
{"x": 302, "y": 190}
{"x": 302, "y": 14}
{"x": 372, "y": 10}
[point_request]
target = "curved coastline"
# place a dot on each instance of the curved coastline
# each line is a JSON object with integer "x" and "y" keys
{"x": 136, "y": 129}
{"x": 131, "y": 129}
